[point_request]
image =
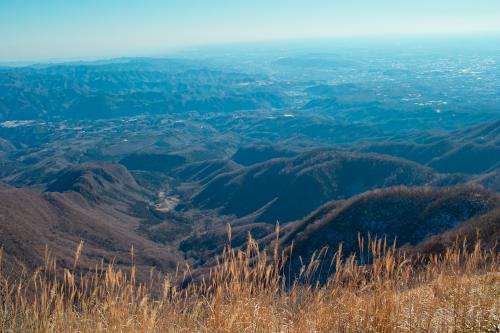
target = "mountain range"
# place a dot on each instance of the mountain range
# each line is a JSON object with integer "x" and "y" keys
{"x": 160, "y": 155}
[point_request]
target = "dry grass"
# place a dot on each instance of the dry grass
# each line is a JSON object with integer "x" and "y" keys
{"x": 249, "y": 291}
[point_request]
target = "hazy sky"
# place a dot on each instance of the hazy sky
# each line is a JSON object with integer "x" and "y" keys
{"x": 43, "y": 29}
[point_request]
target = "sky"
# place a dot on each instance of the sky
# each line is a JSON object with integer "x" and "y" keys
{"x": 79, "y": 29}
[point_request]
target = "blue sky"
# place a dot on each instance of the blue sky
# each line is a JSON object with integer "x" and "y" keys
{"x": 59, "y": 29}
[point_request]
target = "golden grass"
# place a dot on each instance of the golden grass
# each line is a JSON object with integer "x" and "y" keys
{"x": 250, "y": 291}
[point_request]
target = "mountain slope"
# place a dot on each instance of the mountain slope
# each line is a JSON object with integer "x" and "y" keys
{"x": 289, "y": 188}
{"x": 5, "y": 147}
{"x": 249, "y": 155}
{"x": 30, "y": 221}
{"x": 99, "y": 182}
{"x": 469, "y": 158}
{"x": 97, "y": 202}
{"x": 204, "y": 172}
{"x": 485, "y": 228}
{"x": 471, "y": 150}
{"x": 152, "y": 162}
{"x": 410, "y": 215}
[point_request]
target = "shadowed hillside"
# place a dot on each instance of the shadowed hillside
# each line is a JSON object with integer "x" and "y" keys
{"x": 471, "y": 150}
{"x": 484, "y": 227}
{"x": 5, "y": 147}
{"x": 407, "y": 215}
{"x": 258, "y": 154}
{"x": 204, "y": 172}
{"x": 289, "y": 188}
{"x": 152, "y": 162}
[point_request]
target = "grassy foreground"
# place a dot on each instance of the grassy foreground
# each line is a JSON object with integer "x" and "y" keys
{"x": 249, "y": 292}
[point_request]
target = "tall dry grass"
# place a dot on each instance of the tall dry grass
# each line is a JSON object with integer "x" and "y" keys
{"x": 251, "y": 290}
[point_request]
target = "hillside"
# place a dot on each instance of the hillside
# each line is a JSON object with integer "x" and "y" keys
{"x": 484, "y": 227}
{"x": 287, "y": 189}
{"x": 246, "y": 293}
{"x": 204, "y": 172}
{"x": 152, "y": 162}
{"x": 471, "y": 150}
{"x": 5, "y": 147}
{"x": 101, "y": 182}
{"x": 98, "y": 203}
{"x": 490, "y": 180}
{"x": 30, "y": 221}
{"x": 249, "y": 155}
{"x": 409, "y": 215}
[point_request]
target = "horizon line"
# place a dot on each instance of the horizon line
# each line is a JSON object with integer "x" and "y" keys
{"x": 179, "y": 51}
